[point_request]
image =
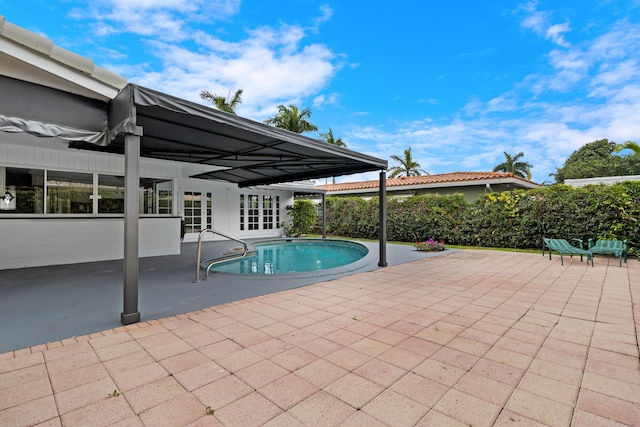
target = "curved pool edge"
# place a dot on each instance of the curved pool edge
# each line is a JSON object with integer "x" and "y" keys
{"x": 341, "y": 270}
{"x": 396, "y": 254}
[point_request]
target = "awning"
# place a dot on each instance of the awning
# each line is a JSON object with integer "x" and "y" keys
{"x": 250, "y": 152}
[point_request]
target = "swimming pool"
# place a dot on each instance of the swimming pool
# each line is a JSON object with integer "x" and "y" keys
{"x": 295, "y": 256}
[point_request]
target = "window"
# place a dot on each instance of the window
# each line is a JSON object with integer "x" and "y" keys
{"x": 110, "y": 194}
{"x": 40, "y": 191}
{"x": 69, "y": 193}
{"x": 209, "y": 210}
{"x": 253, "y": 214}
{"x": 21, "y": 190}
{"x": 242, "y": 212}
{"x": 267, "y": 212}
{"x": 277, "y": 211}
{"x": 193, "y": 211}
{"x": 156, "y": 196}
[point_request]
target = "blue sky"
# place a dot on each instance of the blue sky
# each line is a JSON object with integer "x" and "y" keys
{"x": 459, "y": 82}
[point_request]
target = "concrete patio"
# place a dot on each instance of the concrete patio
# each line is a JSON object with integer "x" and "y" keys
{"x": 472, "y": 337}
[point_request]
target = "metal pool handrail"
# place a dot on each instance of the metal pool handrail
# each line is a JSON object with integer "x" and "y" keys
{"x": 210, "y": 230}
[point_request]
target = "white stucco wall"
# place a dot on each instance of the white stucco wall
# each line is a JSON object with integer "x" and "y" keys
{"x": 35, "y": 240}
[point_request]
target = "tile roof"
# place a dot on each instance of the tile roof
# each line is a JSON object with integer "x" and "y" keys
{"x": 444, "y": 178}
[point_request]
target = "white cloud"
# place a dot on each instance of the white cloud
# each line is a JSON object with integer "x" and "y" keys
{"x": 162, "y": 19}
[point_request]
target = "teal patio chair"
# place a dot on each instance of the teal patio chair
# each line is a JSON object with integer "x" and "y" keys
{"x": 563, "y": 247}
{"x": 609, "y": 247}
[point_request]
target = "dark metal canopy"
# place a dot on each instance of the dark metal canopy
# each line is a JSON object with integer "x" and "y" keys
{"x": 141, "y": 122}
{"x": 249, "y": 152}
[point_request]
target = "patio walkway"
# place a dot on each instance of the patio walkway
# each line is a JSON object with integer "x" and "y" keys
{"x": 470, "y": 338}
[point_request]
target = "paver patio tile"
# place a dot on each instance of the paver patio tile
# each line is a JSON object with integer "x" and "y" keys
{"x": 370, "y": 347}
{"x": 419, "y": 346}
{"x": 85, "y": 395}
{"x": 102, "y": 341}
{"x": 420, "y": 389}
{"x": 441, "y": 372}
{"x": 380, "y": 372}
{"x": 609, "y": 370}
{"x": 321, "y": 347}
{"x": 612, "y": 387}
{"x": 123, "y": 348}
{"x": 510, "y": 358}
{"x": 343, "y": 337}
{"x": 136, "y": 377}
{"x": 283, "y": 420}
{"x": 23, "y": 376}
{"x": 271, "y": 347}
{"x": 23, "y": 393}
{"x": 220, "y": 349}
{"x": 360, "y": 419}
{"x": 294, "y": 359}
{"x": 30, "y": 413}
{"x": 169, "y": 349}
{"x": 539, "y": 408}
{"x": 248, "y": 411}
{"x": 297, "y": 337}
{"x": 347, "y": 358}
{"x": 485, "y": 388}
{"x": 401, "y": 358}
{"x": 608, "y": 407}
{"x": 456, "y": 358}
{"x": 61, "y": 381}
{"x": 154, "y": 393}
{"x": 261, "y": 373}
{"x": 222, "y": 392}
{"x": 393, "y": 409}
{"x": 181, "y": 362}
{"x": 105, "y": 412}
{"x": 436, "y": 419}
{"x": 354, "y": 390}
{"x": 498, "y": 371}
{"x": 550, "y": 388}
{"x": 288, "y": 391}
{"x": 203, "y": 339}
{"x": 237, "y": 360}
{"x": 321, "y": 373}
{"x": 582, "y": 418}
{"x": 508, "y": 418}
{"x": 16, "y": 363}
{"x": 200, "y": 375}
{"x": 467, "y": 408}
{"x": 322, "y": 410}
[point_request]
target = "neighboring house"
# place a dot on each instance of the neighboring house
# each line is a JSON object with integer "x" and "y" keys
{"x": 469, "y": 184}
{"x": 77, "y": 141}
{"x": 600, "y": 180}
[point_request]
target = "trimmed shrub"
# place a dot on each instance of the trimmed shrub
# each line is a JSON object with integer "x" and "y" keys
{"x": 513, "y": 219}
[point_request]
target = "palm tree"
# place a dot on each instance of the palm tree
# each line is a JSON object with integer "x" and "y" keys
{"x": 330, "y": 139}
{"x": 633, "y": 146}
{"x": 227, "y": 104}
{"x": 290, "y": 118}
{"x": 511, "y": 164}
{"x": 407, "y": 167}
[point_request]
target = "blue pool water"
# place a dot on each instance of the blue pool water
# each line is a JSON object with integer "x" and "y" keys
{"x": 295, "y": 256}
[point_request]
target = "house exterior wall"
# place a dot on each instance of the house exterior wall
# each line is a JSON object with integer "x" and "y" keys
{"x": 36, "y": 239}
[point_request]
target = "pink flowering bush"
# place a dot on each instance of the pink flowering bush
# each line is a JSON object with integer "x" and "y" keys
{"x": 430, "y": 245}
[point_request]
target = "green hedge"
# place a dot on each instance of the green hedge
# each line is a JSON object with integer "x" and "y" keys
{"x": 514, "y": 219}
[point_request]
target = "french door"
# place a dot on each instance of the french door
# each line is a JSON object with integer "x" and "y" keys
{"x": 197, "y": 213}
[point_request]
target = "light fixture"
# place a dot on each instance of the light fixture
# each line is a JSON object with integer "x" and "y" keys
{"x": 8, "y": 197}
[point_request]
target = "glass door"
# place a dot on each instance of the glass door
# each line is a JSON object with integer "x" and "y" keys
{"x": 197, "y": 213}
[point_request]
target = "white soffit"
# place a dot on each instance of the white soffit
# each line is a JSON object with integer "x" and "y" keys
{"x": 30, "y": 57}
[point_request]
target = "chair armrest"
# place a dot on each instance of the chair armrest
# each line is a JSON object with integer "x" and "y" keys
{"x": 579, "y": 241}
